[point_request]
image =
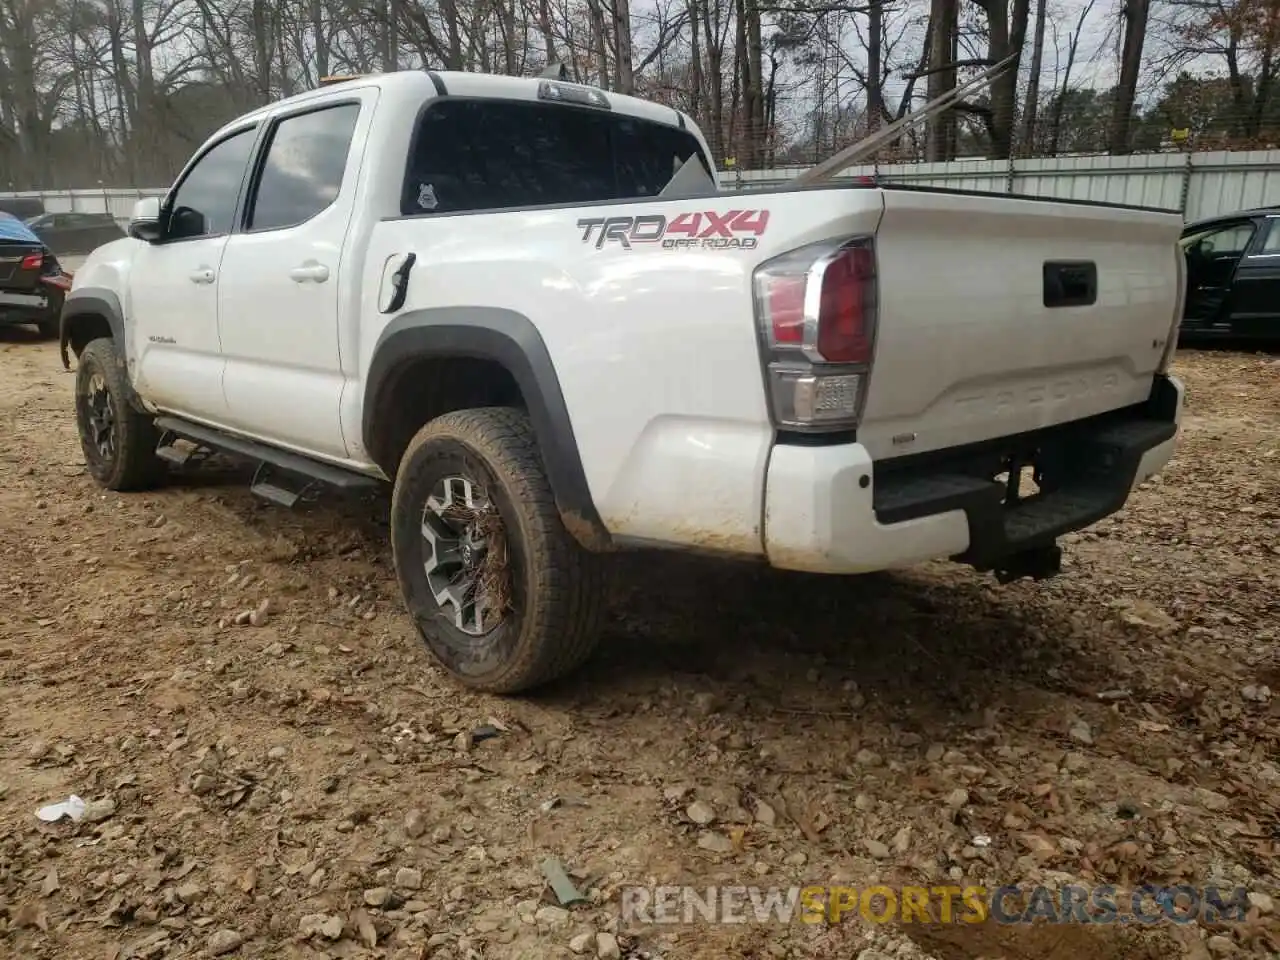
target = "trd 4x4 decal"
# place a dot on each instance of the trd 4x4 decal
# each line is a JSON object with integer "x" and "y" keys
{"x": 710, "y": 230}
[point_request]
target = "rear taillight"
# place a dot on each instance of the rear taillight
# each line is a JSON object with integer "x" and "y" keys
{"x": 33, "y": 261}
{"x": 816, "y": 308}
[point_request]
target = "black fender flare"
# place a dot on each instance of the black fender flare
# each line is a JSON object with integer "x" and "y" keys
{"x": 511, "y": 340}
{"x": 90, "y": 301}
{"x": 98, "y": 302}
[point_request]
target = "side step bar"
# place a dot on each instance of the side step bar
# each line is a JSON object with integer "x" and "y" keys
{"x": 276, "y": 468}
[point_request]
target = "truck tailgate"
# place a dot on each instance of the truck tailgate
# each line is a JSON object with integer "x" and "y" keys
{"x": 990, "y": 321}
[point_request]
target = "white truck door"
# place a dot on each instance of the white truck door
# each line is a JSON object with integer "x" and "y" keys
{"x": 278, "y": 299}
{"x": 173, "y": 289}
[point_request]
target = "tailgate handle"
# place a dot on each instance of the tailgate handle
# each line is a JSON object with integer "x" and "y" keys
{"x": 1070, "y": 283}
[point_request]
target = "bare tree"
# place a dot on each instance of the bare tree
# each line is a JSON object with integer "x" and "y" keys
{"x": 1134, "y": 13}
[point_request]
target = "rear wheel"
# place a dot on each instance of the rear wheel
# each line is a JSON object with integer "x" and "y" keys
{"x": 503, "y": 596}
{"x": 118, "y": 441}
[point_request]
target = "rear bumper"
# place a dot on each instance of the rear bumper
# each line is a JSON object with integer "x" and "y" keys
{"x": 832, "y": 510}
{"x": 22, "y": 306}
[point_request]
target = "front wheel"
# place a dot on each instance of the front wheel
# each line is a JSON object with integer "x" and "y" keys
{"x": 503, "y": 596}
{"x": 118, "y": 441}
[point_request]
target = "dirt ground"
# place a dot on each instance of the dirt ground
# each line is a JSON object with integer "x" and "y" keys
{"x": 311, "y": 787}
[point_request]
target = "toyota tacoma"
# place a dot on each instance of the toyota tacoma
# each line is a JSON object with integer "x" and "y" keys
{"x": 525, "y": 304}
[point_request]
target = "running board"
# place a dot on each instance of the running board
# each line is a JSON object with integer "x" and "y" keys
{"x": 267, "y": 483}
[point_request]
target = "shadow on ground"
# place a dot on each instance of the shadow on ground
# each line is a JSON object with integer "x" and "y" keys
{"x": 17, "y": 333}
{"x": 962, "y": 941}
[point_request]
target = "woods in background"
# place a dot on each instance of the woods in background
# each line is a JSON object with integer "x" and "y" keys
{"x": 120, "y": 92}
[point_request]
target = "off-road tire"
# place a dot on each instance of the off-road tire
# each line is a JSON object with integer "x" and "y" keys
{"x": 557, "y": 588}
{"x": 133, "y": 465}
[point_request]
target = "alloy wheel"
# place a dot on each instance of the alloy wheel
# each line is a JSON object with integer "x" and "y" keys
{"x": 465, "y": 556}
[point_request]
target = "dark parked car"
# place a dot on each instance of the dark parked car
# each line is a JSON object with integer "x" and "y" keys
{"x": 69, "y": 233}
{"x": 1233, "y": 276}
{"x": 32, "y": 284}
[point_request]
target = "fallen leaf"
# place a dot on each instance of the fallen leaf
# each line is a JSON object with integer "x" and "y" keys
{"x": 31, "y": 914}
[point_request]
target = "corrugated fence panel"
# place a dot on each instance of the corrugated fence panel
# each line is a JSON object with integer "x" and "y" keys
{"x": 1224, "y": 182}
{"x": 1214, "y": 183}
{"x": 116, "y": 201}
{"x": 1148, "y": 181}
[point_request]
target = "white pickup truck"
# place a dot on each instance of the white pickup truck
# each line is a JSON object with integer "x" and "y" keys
{"x": 476, "y": 288}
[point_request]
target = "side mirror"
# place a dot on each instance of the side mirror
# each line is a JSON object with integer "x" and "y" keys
{"x": 144, "y": 222}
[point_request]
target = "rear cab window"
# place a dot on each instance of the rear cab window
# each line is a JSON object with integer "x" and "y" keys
{"x": 502, "y": 154}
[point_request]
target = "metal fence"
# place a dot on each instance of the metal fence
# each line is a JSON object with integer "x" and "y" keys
{"x": 1196, "y": 184}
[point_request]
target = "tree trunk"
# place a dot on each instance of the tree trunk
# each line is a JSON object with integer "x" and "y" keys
{"x": 1135, "y": 32}
{"x": 1008, "y": 32}
{"x": 754, "y": 90}
{"x": 695, "y": 63}
{"x": 1033, "y": 83}
{"x": 737, "y": 112}
{"x": 940, "y": 138}
{"x": 544, "y": 28}
{"x": 715, "y": 76}
{"x": 319, "y": 39}
{"x": 624, "y": 68}
{"x": 598, "y": 41}
{"x": 1059, "y": 99}
{"x": 875, "y": 92}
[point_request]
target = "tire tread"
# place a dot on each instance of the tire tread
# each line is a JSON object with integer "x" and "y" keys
{"x": 137, "y": 467}
{"x": 565, "y": 620}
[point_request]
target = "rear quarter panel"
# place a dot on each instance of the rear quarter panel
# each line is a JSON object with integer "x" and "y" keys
{"x": 654, "y": 343}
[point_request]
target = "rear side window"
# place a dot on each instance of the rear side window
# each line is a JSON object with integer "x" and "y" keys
{"x": 305, "y": 163}
{"x": 495, "y": 155}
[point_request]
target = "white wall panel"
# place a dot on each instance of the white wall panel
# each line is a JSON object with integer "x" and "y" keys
{"x": 1215, "y": 183}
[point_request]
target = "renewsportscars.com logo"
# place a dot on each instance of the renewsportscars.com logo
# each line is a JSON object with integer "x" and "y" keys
{"x": 708, "y": 230}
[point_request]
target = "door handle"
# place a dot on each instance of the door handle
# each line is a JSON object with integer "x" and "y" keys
{"x": 203, "y": 275}
{"x": 309, "y": 271}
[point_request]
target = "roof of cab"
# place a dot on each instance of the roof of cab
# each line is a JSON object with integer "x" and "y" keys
{"x": 444, "y": 83}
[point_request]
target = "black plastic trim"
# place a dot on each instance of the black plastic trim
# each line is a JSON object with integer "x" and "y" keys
{"x": 437, "y": 81}
{"x": 1162, "y": 404}
{"x": 1070, "y": 283}
{"x": 796, "y": 438}
{"x": 96, "y": 302}
{"x": 90, "y": 301}
{"x": 511, "y": 340}
{"x": 285, "y": 460}
{"x": 1093, "y": 463}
